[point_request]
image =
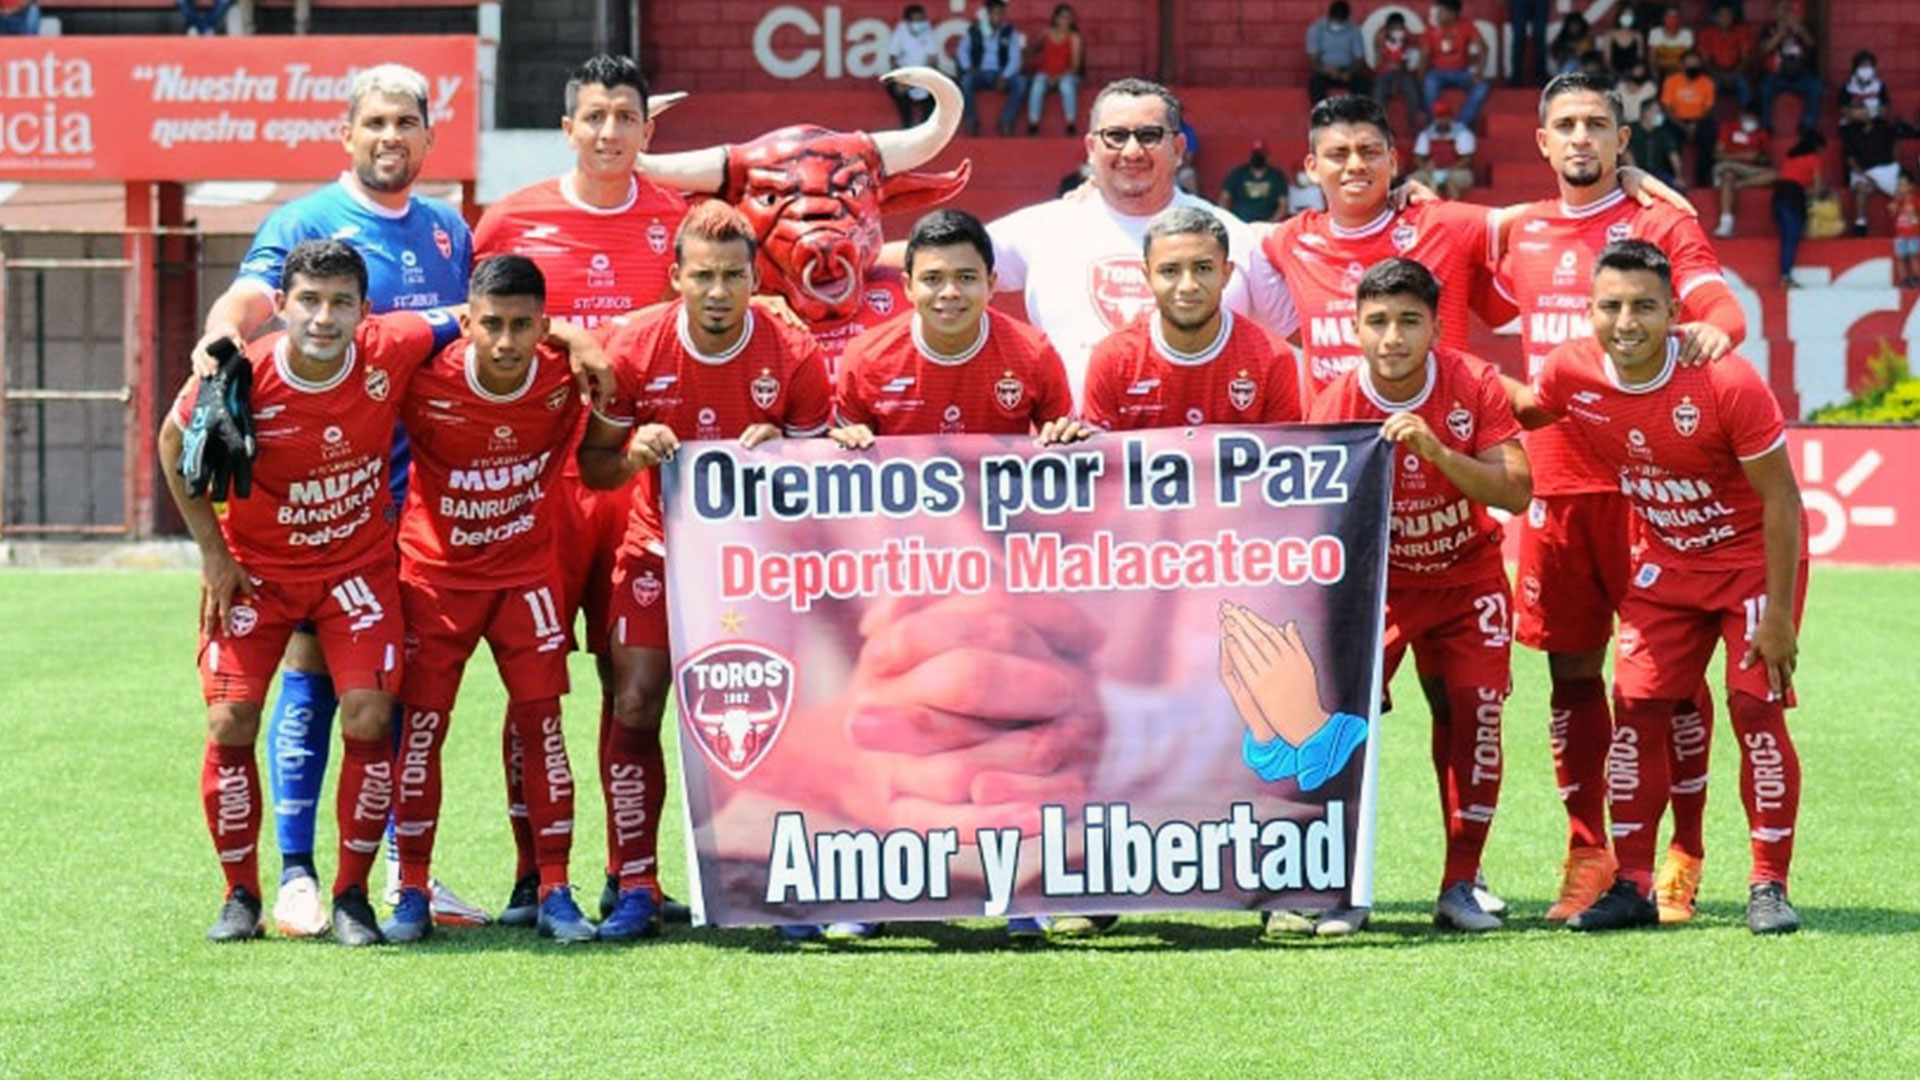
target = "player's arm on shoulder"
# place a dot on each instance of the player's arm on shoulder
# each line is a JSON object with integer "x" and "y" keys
{"x": 236, "y": 315}
{"x": 592, "y": 367}
{"x": 222, "y": 578}
{"x": 1774, "y": 641}
{"x": 1526, "y": 403}
{"x": 1648, "y": 190}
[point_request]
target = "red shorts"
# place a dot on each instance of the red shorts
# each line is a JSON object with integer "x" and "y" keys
{"x": 356, "y": 615}
{"x": 639, "y": 602}
{"x": 1575, "y": 551}
{"x": 588, "y": 526}
{"x": 1460, "y": 633}
{"x": 1671, "y": 620}
{"x": 521, "y": 624}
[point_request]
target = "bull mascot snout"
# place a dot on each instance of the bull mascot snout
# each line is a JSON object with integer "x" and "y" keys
{"x": 815, "y": 196}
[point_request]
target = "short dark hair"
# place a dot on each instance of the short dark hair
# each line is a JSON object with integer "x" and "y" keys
{"x": 1579, "y": 82}
{"x": 1135, "y": 87}
{"x": 609, "y": 71}
{"x": 1626, "y": 256}
{"x": 1185, "y": 221}
{"x": 912, "y": 10}
{"x": 507, "y": 275}
{"x": 1451, "y": 5}
{"x": 324, "y": 259}
{"x": 945, "y": 228}
{"x": 1347, "y": 109}
{"x": 1339, "y": 10}
{"x": 1398, "y": 277}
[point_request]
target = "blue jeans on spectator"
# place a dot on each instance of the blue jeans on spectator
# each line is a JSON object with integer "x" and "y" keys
{"x": 1790, "y": 218}
{"x": 1476, "y": 88}
{"x": 1069, "y": 87}
{"x": 22, "y": 23}
{"x": 1805, "y": 85}
{"x": 973, "y": 82}
{"x": 1734, "y": 84}
{"x": 1527, "y": 21}
{"x": 204, "y": 20}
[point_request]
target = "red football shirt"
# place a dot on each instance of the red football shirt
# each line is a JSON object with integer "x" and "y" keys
{"x": 1448, "y": 49}
{"x": 320, "y": 503}
{"x": 886, "y": 299}
{"x": 1440, "y": 538}
{"x": 772, "y": 375}
{"x": 1674, "y": 446}
{"x": 1323, "y": 262}
{"x": 598, "y": 263}
{"x": 1009, "y": 383}
{"x": 1136, "y": 380}
{"x": 1738, "y": 140}
{"x": 1547, "y": 271}
{"x": 477, "y": 512}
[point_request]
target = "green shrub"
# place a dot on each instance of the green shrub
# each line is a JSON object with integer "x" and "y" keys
{"x": 1891, "y": 394}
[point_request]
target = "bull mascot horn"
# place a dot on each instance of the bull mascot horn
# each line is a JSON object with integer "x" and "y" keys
{"x": 815, "y": 196}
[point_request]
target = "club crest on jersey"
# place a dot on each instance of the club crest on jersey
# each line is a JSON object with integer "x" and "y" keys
{"x": 241, "y": 619}
{"x": 378, "y": 385}
{"x": 1686, "y": 417}
{"x": 737, "y": 697}
{"x": 1241, "y": 391}
{"x": 1351, "y": 279}
{"x": 1618, "y": 231}
{"x": 647, "y": 588}
{"x": 1119, "y": 287}
{"x": 1404, "y": 236}
{"x": 1460, "y": 422}
{"x": 765, "y": 389}
{"x": 881, "y": 301}
{"x": 1009, "y": 392}
{"x": 657, "y": 238}
{"x": 558, "y": 398}
{"x": 443, "y": 242}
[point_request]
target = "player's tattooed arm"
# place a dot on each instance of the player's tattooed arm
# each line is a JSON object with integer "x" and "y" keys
{"x": 1774, "y": 641}
{"x": 1646, "y": 189}
{"x": 1275, "y": 687}
{"x": 222, "y": 578}
{"x": 592, "y": 368}
{"x": 1497, "y": 476}
{"x": 610, "y": 454}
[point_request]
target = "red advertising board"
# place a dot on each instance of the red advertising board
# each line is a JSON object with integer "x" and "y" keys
{"x": 172, "y": 108}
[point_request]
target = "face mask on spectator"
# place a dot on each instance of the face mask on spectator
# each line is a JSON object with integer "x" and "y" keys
{"x": 1864, "y": 73}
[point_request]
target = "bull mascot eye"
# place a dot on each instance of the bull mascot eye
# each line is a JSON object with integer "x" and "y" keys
{"x": 768, "y": 199}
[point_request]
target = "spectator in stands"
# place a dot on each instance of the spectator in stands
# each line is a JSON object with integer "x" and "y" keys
{"x": 1787, "y": 57}
{"x": 1396, "y": 57}
{"x": 1906, "y": 232}
{"x": 1526, "y": 25}
{"x": 1338, "y": 52}
{"x": 915, "y": 44}
{"x": 1254, "y": 191}
{"x": 1443, "y": 154}
{"x": 1059, "y": 58}
{"x": 1571, "y": 44}
{"x": 1688, "y": 97}
{"x": 1863, "y": 86}
{"x": 1623, "y": 46}
{"x": 19, "y": 18}
{"x": 1866, "y": 141}
{"x": 1799, "y": 181}
{"x": 1637, "y": 87}
{"x": 1655, "y": 144}
{"x": 1727, "y": 46}
{"x": 1745, "y": 160}
{"x": 1304, "y": 194}
{"x": 1669, "y": 42}
{"x": 204, "y": 21}
{"x": 990, "y": 60}
{"x": 1452, "y": 56}
{"x": 1593, "y": 64}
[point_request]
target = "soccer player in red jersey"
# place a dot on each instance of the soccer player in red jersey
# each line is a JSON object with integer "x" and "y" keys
{"x": 1190, "y": 361}
{"x": 602, "y": 235}
{"x": 1700, "y": 453}
{"x": 952, "y": 364}
{"x": 313, "y": 541}
{"x": 1447, "y": 593}
{"x": 492, "y": 417}
{"x": 1573, "y": 547}
{"x": 703, "y": 367}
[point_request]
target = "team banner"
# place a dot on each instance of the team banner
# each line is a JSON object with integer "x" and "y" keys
{"x": 200, "y": 108}
{"x": 967, "y": 676}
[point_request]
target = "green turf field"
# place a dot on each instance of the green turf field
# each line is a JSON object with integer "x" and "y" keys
{"x": 108, "y": 882}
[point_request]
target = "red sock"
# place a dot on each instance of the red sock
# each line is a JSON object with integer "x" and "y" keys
{"x": 1637, "y": 784}
{"x": 230, "y": 795}
{"x": 1769, "y": 783}
{"x": 1471, "y": 778}
{"x": 634, "y": 771}
{"x": 1689, "y": 750}
{"x": 547, "y": 780}
{"x": 364, "y": 798}
{"x": 606, "y": 779}
{"x": 1580, "y": 730}
{"x": 512, "y": 759}
{"x": 416, "y": 806}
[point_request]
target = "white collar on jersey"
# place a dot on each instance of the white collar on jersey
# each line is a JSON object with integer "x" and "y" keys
{"x": 371, "y": 207}
{"x": 1373, "y": 392}
{"x": 1191, "y": 359}
{"x": 712, "y": 359}
{"x": 954, "y": 359}
{"x": 472, "y": 366}
{"x": 1371, "y": 228}
{"x": 571, "y": 192}
{"x": 1655, "y": 383}
{"x": 1600, "y": 206}
{"x": 306, "y": 386}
